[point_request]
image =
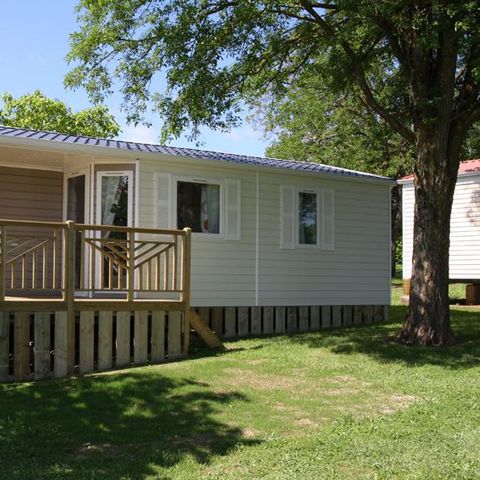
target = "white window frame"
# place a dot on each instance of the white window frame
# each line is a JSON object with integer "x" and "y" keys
{"x": 318, "y": 193}
{"x": 98, "y": 205}
{"x": 204, "y": 181}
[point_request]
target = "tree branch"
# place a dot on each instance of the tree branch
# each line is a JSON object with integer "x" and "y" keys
{"x": 360, "y": 77}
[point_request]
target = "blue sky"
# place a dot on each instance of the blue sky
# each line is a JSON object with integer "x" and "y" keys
{"x": 34, "y": 36}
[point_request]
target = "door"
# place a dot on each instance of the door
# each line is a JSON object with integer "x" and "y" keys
{"x": 76, "y": 209}
{"x": 114, "y": 207}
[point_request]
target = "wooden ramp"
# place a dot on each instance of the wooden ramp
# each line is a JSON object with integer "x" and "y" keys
{"x": 204, "y": 331}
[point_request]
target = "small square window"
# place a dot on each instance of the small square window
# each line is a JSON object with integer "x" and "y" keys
{"x": 307, "y": 218}
{"x": 198, "y": 207}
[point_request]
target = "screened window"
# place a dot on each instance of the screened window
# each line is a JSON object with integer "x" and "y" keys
{"x": 198, "y": 207}
{"x": 307, "y": 218}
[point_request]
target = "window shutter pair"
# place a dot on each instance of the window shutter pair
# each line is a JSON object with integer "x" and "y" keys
{"x": 289, "y": 217}
{"x": 166, "y": 218}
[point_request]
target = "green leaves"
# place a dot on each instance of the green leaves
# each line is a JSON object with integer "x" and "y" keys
{"x": 38, "y": 112}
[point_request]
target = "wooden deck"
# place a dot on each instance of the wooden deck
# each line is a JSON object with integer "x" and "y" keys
{"x": 73, "y": 297}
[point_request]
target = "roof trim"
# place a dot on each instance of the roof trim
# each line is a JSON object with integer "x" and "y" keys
{"x": 34, "y": 138}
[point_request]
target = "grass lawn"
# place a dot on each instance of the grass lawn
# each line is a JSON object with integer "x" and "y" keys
{"x": 336, "y": 404}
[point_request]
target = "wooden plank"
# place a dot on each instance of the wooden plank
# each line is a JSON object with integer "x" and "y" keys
{"x": 347, "y": 315}
{"x": 105, "y": 339}
{"x": 217, "y": 321}
{"x": 256, "y": 320}
{"x": 280, "y": 320}
{"x": 204, "y": 331}
{"x": 204, "y": 312}
{"x": 140, "y": 339}
{"x": 378, "y": 316}
{"x": 268, "y": 320}
{"x": 21, "y": 352}
{"x": 358, "y": 314}
{"x": 303, "y": 325}
{"x": 158, "y": 336}
{"x": 368, "y": 315}
{"x": 337, "y": 316}
{"x": 386, "y": 313}
{"x": 41, "y": 345}
{"x": 230, "y": 322}
{"x": 86, "y": 342}
{"x": 4, "y": 344}
{"x": 326, "y": 316}
{"x": 292, "y": 319}
{"x": 60, "y": 358}
{"x": 314, "y": 319}
{"x": 122, "y": 357}
{"x": 242, "y": 321}
{"x": 174, "y": 334}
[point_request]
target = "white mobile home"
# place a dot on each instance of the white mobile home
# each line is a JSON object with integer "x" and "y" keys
{"x": 276, "y": 245}
{"x": 464, "y": 261}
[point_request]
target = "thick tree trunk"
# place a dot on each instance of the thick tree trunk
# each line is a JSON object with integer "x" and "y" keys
{"x": 428, "y": 317}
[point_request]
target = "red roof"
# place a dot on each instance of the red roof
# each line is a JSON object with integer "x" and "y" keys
{"x": 467, "y": 166}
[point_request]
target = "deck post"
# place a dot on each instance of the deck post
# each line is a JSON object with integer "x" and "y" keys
{"x": 131, "y": 265}
{"x": 186, "y": 266}
{"x": 3, "y": 261}
{"x": 69, "y": 294}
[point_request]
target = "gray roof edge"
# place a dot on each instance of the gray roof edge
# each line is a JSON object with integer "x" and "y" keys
{"x": 34, "y": 136}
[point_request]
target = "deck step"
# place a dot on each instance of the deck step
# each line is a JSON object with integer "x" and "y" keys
{"x": 204, "y": 331}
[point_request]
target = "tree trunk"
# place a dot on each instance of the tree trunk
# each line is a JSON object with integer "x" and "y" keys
{"x": 428, "y": 317}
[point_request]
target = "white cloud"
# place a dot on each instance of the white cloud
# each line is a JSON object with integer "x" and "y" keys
{"x": 140, "y": 133}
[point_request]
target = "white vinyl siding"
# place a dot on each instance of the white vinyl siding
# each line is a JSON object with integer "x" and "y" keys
{"x": 233, "y": 210}
{"x": 223, "y": 266}
{"x": 224, "y": 273}
{"x": 356, "y": 272}
{"x": 464, "y": 229}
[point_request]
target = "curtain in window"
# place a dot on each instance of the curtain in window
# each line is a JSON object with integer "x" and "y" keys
{"x": 210, "y": 209}
{"x": 112, "y": 189}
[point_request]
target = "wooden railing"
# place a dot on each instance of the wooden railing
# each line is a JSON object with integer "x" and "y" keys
{"x": 70, "y": 261}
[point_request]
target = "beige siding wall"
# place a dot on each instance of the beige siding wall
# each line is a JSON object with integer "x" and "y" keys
{"x": 224, "y": 272}
{"x": 355, "y": 272}
{"x": 30, "y": 194}
{"x": 464, "y": 230}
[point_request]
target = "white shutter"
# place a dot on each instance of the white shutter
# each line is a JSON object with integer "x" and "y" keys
{"x": 163, "y": 206}
{"x": 287, "y": 213}
{"x": 232, "y": 210}
{"x": 328, "y": 219}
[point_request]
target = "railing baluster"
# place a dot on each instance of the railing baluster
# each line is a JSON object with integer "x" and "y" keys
{"x": 82, "y": 259}
{"x": 174, "y": 272}
{"x": 131, "y": 265}
{"x": 54, "y": 260}
{"x": 34, "y": 270}
{"x": 23, "y": 279}
{"x": 166, "y": 270}
{"x": 44, "y": 267}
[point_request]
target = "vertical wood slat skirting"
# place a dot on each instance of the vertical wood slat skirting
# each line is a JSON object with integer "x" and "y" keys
{"x": 244, "y": 321}
{"x": 105, "y": 339}
{"x": 41, "y": 346}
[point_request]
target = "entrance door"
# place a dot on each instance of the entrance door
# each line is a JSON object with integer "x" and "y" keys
{"x": 114, "y": 207}
{"x": 76, "y": 209}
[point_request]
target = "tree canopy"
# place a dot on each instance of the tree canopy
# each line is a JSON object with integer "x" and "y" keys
{"x": 414, "y": 63}
{"x": 39, "y": 112}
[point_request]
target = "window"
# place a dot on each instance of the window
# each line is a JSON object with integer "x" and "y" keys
{"x": 307, "y": 218}
{"x": 198, "y": 207}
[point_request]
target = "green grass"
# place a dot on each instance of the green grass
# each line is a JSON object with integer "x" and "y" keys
{"x": 347, "y": 403}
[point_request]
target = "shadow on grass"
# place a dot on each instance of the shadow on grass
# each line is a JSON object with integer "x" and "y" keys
{"x": 122, "y": 425}
{"x": 379, "y": 341}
